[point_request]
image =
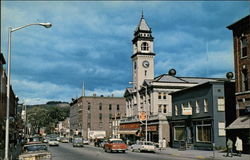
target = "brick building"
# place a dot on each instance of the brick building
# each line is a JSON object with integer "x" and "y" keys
{"x": 3, "y": 104}
{"x": 241, "y": 40}
{"x": 95, "y": 113}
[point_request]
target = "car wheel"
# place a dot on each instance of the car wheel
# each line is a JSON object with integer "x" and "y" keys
{"x": 123, "y": 151}
{"x": 132, "y": 150}
{"x": 105, "y": 150}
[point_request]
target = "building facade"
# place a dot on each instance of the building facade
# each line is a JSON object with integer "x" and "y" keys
{"x": 95, "y": 113}
{"x": 241, "y": 40}
{"x": 148, "y": 101}
{"x": 199, "y": 115}
{"x": 3, "y": 105}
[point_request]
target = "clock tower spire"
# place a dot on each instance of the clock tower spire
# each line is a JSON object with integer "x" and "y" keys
{"x": 143, "y": 53}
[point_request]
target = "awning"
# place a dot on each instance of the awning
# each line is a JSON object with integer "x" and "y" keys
{"x": 127, "y": 131}
{"x": 242, "y": 122}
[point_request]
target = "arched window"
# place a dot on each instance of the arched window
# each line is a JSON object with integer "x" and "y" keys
{"x": 144, "y": 46}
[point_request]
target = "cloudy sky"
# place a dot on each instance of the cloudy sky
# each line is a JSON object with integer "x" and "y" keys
{"x": 90, "y": 42}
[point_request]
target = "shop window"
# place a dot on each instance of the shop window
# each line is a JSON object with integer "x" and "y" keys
{"x": 179, "y": 133}
{"x": 203, "y": 133}
{"x": 205, "y": 105}
{"x": 243, "y": 43}
{"x": 221, "y": 104}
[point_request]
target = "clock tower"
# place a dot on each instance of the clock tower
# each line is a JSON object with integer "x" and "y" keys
{"x": 143, "y": 54}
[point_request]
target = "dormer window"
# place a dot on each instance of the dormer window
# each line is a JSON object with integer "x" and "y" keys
{"x": 144, "y": 46}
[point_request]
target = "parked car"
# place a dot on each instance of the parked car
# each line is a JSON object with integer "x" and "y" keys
{"x": 33, "y": 140}
{"x": 143, "y": 146}
{"x": 64, "y": 140}
{"x": 98, "y": 142}
{"x": 103, "y": 143}
{"x": 35, "y": 151}
{"x": 77, "y": 142}
{"x": 85, "y": 141}
{"x": 115, "y": 145}
{"x": 53, "y": 142}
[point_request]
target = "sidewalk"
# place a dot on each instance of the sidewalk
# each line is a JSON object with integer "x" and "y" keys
{"x": 199, "y": 154}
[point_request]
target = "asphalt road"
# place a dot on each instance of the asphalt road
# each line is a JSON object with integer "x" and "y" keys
{"x": 66, "y": 151}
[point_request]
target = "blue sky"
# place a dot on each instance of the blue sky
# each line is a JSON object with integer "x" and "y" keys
{"x": 91, "y": 42}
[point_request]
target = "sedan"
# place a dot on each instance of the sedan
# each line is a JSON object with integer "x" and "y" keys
{"x": 115, "y": 145}
{"x": 35, "y": 151}
{"x": 143, "y": 146}
{"x": 53, "y": 142}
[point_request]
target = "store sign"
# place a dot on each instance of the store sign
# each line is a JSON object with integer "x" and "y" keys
{"x": 130, "y": 126}
{"x": 186, "y": 111}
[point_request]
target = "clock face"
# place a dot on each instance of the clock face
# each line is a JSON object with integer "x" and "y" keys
{"x": 145, "y": 64}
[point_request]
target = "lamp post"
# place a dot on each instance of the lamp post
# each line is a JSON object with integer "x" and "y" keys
{"x": 10, "y": 30}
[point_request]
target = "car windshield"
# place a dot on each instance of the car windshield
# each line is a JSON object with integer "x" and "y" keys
{"x": 53, "y": 139}
{"x": 149, "y": 143}
{"x": 117, "y": 141}
{"x": 35, "y": 139}
{"x": 78, "y": 139}
{"x": 35, "y": 148}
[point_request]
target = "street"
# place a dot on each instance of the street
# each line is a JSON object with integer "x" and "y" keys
{"x": 66, "y": 151}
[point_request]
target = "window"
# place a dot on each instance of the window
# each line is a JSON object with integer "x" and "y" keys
{"x": 197, "y": 107}
{"x": 118, "y": 107}
{"x": 89, "y": 125}
{"x": 145, "y": 73}
{"x": 179, "y": 133}
{"x": 110, "y": 116}
{"x": 159, "y": 95}
{"x": 244, "y": 80}
{"x": 159, "y": 108}
{"x": 221, "y": 104}
{"x": 176, "y": 110}
{"x": 203, "y": 133}
{"x": 164, "y": 108}
{"x": 243, "y": 43}
{"x": 110, "y": 107}
{"x": 89, "y": 106}
{"x": 205, "y": 105}
{"x": 100, "y": 116}
{"x": 144, "y": 46}
{"x": 164, "y": 96}
{"x": 89, "y": 116}
{"x": 100, "y": 124}
{"x": 221, "y": 126}
{"x": 134, "y": 65}
{"x": 100, "y": 106}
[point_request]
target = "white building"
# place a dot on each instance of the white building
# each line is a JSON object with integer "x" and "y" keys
{"x": 149, "y": 95}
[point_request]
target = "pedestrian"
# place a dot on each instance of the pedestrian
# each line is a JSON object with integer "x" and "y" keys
{"x": 160, "y": 144}
{"x": 229, "y": 148}
{"x": 238, "y": 145}
{"x": 164, "y": 144}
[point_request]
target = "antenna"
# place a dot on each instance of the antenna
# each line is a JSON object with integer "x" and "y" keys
{"x": 142, "y": 16}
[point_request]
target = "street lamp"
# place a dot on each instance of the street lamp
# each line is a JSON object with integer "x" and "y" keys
{"x": 10, "y": 30}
